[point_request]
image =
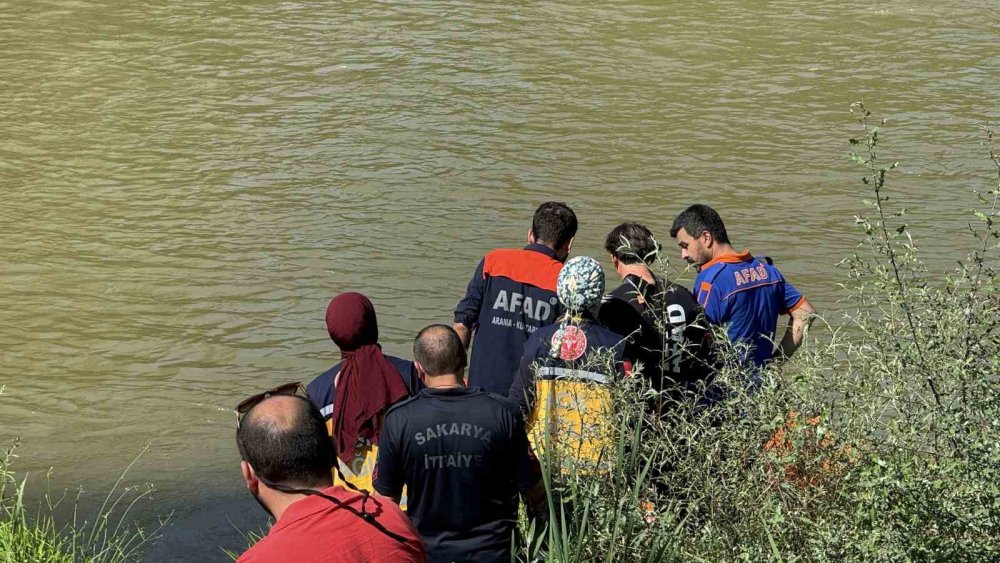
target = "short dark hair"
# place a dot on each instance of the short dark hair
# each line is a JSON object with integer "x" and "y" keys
{"x": 632, "y": 243}
{"x": 700, "y": 218}
{"x": 439, "y": 350}
{"x": 554, "y": 223}
{"x": 291, "y": 447}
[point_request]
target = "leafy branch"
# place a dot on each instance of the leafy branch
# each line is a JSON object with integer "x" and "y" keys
{"x": 877, "y": 182}
{"x": 979, "y": 258}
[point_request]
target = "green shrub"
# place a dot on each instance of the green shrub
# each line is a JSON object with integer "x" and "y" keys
{"x": 878, "y": 441}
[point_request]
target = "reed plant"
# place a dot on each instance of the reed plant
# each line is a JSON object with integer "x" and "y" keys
{"x": 879, "y": 441}
{"x": 28, "y": 536}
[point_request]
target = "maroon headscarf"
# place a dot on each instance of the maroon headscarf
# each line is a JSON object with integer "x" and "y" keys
{"x": 368, "y": 383}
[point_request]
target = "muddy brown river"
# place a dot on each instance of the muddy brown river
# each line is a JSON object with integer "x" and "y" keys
{"x": 186, "y": 184}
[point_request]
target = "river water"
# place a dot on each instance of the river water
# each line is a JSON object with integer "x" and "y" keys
{"x": 186, "y": 184}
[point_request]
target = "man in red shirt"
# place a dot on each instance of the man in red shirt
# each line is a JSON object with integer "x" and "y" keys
{"x": 286, "y": 457}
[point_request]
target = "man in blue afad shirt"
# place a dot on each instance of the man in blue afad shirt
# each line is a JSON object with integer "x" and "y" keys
{"x": 742, "y": 293}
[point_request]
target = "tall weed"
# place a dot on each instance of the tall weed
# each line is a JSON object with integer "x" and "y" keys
{"x": 111, "y": 537}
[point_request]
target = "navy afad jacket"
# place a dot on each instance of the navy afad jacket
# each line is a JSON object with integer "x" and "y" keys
{"x": 511, "y": 295}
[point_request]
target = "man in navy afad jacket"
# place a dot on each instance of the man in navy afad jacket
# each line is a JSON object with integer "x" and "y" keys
{"x": 512, "y": 294}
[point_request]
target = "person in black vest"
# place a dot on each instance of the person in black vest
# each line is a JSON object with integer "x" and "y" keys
{"x": 659, "y": 317}
{"x": 513, "y": 293}
{"x": 462, "y": 454}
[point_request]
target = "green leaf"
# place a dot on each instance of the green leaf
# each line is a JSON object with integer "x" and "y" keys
{"x": 774, "y": 546}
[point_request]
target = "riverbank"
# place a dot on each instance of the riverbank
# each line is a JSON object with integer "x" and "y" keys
{"x": 29, "y": 536}
{"x": 38, "y": 526}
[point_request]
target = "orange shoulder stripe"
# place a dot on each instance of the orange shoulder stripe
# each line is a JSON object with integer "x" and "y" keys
{"x": 744, "y": 256}
{"x": 523, "y": 266}
{"x": 706, "y": 289}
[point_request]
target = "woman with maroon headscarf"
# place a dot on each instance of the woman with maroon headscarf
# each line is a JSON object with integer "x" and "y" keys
{"x": 354, "y": 394}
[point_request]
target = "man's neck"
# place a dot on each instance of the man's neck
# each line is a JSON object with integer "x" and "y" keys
{"x": 640, "y": 270}
{"x": 558, "y": 254}
{"x": 445, "y": 381}
{"x": 722, "y": 249}
{"x": 278, "y": 502}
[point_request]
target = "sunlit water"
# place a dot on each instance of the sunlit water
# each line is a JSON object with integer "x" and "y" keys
{"x": 186, "y": 184}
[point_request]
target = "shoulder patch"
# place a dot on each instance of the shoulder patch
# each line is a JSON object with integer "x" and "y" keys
{"x": 569, "y": 343}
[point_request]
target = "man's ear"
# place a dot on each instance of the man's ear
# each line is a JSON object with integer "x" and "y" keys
{"x": 250, "y": 477}
{"x": 531, "y": 236}
{"x": 614, "y": 261}
{"x": 707, "y": 239}
{"x": 420, "y": 369}
{"x": 562, "y": 253}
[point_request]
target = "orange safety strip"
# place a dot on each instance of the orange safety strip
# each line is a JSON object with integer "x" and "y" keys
{"x": 729, "y": 259}
{"x": 523, "y": 266}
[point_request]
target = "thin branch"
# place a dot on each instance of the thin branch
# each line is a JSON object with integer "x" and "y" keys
{"x": 878, "y": 181}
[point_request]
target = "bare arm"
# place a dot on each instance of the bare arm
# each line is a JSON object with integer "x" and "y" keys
{"x": 800, "y": 320}
{"x": 464, "y": 332}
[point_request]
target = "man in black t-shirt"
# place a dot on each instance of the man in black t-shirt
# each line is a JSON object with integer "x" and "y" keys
{"x": 463, "y": 455}
{"x": 660, "y": 318}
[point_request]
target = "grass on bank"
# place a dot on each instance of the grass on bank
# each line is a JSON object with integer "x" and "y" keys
{"x": 28, "y": 536}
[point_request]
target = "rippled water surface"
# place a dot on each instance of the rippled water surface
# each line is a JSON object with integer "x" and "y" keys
{"x": 185, "y": 184}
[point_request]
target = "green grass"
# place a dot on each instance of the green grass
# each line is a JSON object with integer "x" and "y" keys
{"x": 30, "y": 536}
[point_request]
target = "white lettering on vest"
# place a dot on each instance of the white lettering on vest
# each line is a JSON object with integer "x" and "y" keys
{"x": 538, "y": 311}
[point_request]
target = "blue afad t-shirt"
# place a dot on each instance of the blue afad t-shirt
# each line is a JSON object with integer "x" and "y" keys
{"x": 463, "y": 455}
{"x": 510, "y": 296}
{"x": 746, "y": 295}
